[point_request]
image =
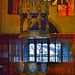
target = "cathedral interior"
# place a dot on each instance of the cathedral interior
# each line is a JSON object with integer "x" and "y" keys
{"x": 41, "y": 40}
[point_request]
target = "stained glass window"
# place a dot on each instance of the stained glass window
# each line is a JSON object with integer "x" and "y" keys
{"x": 41, "y": 46}
{"x": 25, "y": 50}
{"x": 65, "y": 53}
{"x": 65, "y": 50}
{"x": 39, "y": 51}
{"x": 45, "y": 50}
{"x": 42, "y": 50}
{"x": 68, "y": 50}
{"x": 31, "y": 50}
{"x": 55, "y": 50}
{"x": 18, "y": 46}
{"x": 15, "y": 50}
{"x": 58, "y": 50}
{"x": 52, "y": 50}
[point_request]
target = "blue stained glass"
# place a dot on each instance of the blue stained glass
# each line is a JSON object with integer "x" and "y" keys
{"x": 52, "y": 52}
{"x": 55, "y": 50}
{"x": 39, "y": 59}
{"x": 25, "y": 40}
{"x": 31, "y": 41}
{"x": 25, "y": 58}
{"x": 31, "y": 52}
{"x": 58, "y": 52}
{"x": 45, "y": 49}
{"x": 44, "y": 40}
{"x": 18, "y": 58}
{"x": 39, "y": 52}
{"x": 42, "y": 51}
{"x": 45, "y": 59}
{"x": 65, "y": 58}
{"x": 25, "y": 50}
{"x": 18, "y": 46}
{"x": 12, "y": 49}
{"x": 12, "y": 59}
{"x": 65, "y": 53}
{"x": 31, "y": 49}
{"x": 52, "y": 49}
{"x": 39, "y": 41}
{"x": 52, "y": 40}
{"x": 52, "y": 58}
{"x": 18, "y": 49}
{"x": 45, "y": 52}
{"x": 65, "y": 49}
{"x": 32, "y": 58}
